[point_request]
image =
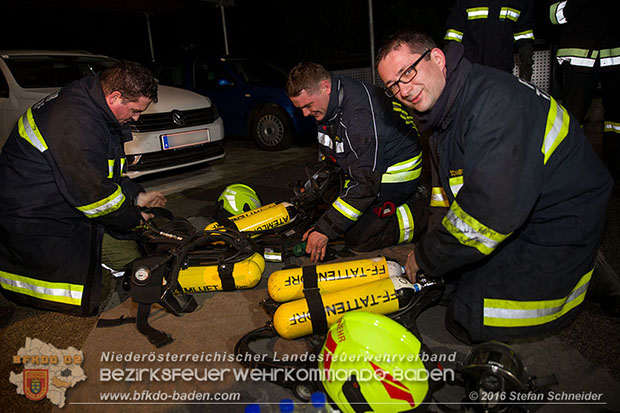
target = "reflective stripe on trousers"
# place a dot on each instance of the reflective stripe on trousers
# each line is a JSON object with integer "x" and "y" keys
{"x": 59, "y": 292}
{"x": 510, "y": 313}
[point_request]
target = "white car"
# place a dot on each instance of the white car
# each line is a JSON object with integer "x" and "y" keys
{"x": 183, "y": 128}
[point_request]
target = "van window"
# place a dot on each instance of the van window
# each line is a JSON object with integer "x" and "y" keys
{"x": 53, "y": 71}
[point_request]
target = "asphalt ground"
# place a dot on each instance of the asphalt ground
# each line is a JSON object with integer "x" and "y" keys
{"x": 585, "y": 356}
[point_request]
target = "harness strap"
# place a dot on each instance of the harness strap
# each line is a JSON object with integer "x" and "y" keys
{"x": 314, "y": 300}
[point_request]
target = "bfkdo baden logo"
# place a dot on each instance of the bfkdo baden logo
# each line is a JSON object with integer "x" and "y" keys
{"x": 36, "y": 383}
{"x": 48, "y": 371}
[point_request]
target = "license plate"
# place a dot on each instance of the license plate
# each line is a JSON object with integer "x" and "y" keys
{"x": 184, "y": 139}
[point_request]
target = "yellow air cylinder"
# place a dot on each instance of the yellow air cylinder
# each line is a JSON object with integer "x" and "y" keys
{"x": 287, "y": 285}
{"x": 292, "y": 319}
{"x": 200, "y": 279}
{"x": 260, "y": 219}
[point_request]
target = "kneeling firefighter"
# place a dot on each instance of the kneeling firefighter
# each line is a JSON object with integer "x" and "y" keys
{"x": 376, "y": 143}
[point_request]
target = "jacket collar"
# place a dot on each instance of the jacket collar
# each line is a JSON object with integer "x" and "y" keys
{"x": 335, "y": 101}
{"x": 457, "y": 70}
{"x": 93, "y": 87}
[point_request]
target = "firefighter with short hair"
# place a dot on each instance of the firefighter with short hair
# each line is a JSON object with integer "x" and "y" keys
{"x": 376, "y": 143}
{"x": 520, "y": 204}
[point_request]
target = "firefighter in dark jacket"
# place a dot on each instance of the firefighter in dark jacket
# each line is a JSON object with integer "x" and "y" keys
{"x": 376, "y": 143}
{"x": 62, "y": 185}
{"x": 589, "y": 54}
{"x": 491, "y": 31}
{"x": 523, "y": 201}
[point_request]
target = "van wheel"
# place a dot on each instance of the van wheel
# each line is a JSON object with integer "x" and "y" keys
{"x": 272, "y": 129}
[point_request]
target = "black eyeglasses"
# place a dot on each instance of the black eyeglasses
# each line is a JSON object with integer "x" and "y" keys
{"x": 406, "y": 77}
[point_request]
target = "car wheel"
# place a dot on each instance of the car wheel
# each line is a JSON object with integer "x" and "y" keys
{"x": 271, "y": 129}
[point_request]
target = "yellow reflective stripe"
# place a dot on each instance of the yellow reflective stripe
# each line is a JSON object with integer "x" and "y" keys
{"x": 556, "y": 13}
{"x": 110, "y": 168}
{"x": 404, "y": 171}
{"x": 526, "y": 34}
{"x": 577, "y": 57}
{"x": 612, "y": 127}
{"x": 509, "y": 13}
{"x": 43, "y": 290}
{"x": 470, "y": 232}
{"x": 477, "y": 13}
{"x": 456, "y": 184}
{"x": 610, "y": 57}
{"x": 509, "y": 313}
{"x": 28, "y": 130}
{"x": 405, "y": 224}
{"x": 396, "y": 178}
{"x": 455, "y": 35}
{"x": 123, "y": 162}
{"x": 347, "y": 210}
{"x": 405, "y": 165}
{"x": 556, "y": 130}
{"x": 404, "y": 114}
{"x": 439, "y": 198}
{"x": 104, "y": 206}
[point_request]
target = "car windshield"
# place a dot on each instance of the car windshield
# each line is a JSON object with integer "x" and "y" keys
{"x": 254, "y": 71}
{"x": 54, "y": 71}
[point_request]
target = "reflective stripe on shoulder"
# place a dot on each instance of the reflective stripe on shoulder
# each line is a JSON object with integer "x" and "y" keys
{"x": 28, "y": 130}
{"x": 104, "y": 206}
{"x": 470, "y": 232}
{"x": 43, "y": 290}
{"x": 406, "y": 224}
{"x": 509, "y": 313}
{"x": 439, "y": 198}
{"x": 477, "y": 13}
{"x": 346, "y": 209}
{"x": 556, "y": 13}
{"x": 404, "y": 114}
{"x": 455, "y": 35}
{"x": 556, "y": 129}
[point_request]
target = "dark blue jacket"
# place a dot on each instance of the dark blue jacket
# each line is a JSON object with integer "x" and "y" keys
{"x": 61, "y": 184}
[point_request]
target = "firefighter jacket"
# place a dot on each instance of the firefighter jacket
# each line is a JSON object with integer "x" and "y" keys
{"x": 490, "y": 30}
{"x": 376, "y": 143}
{"x": 524, "y": 196}
{"x": 61, "y": 184}
{"x": 590, "y": 33}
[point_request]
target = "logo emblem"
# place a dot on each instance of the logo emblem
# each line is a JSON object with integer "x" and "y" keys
{"x": 35, "y": 383}
{"x": 178, "y": 118}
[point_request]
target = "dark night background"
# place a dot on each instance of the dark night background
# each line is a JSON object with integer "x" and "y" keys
{"x": 332, "y": 32}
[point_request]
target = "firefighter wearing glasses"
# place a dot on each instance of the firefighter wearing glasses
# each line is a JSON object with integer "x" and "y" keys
{"x": 522, "y": 203}
{"x": 376, "y": 143}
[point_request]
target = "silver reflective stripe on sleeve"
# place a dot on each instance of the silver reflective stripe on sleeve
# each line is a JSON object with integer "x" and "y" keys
{"x": 29, "y": 131}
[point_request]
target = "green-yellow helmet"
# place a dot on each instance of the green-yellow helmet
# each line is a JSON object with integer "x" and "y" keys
{"x": 239, "y": 198}
{"x": 370, "y": 362}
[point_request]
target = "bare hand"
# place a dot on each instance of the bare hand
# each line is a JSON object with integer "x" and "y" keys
{"x": 316, "y": 245}
{"x": 146, "y": 216}
{"x": 151, "y": 199}
{"x": 411, "y": 267}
